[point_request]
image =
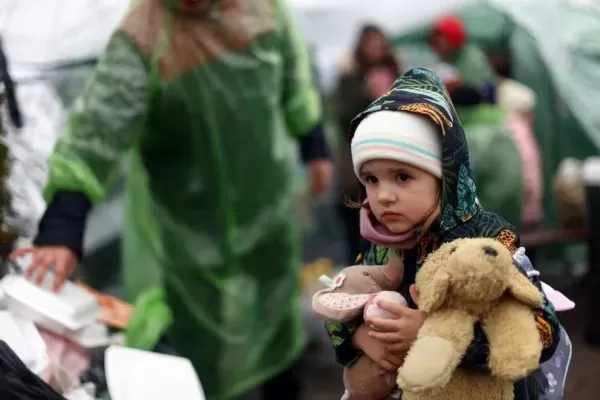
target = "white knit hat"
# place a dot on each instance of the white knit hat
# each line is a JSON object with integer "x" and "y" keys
{"x": 400, "y": 136}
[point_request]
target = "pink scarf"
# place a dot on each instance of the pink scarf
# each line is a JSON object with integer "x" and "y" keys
{"x": 375, "y": 232}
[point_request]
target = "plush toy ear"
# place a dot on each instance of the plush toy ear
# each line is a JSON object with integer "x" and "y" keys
{"x": 339, "y": 307}
{"x": 523, "y": 290}
{"x": 433, "y": 291}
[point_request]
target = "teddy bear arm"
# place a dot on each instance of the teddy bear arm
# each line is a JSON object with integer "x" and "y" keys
{"x": 434, "y": 356}
{"x": 514, "y": 341}
{"x": 453, "y": 325}
{"x": 367, "y": 380}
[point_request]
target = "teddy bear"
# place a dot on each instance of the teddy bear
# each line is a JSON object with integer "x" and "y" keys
{"x": 355, "y": 292}
{"x": 464, "y": 282}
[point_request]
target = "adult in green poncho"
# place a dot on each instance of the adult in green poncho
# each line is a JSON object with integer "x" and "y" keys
{"x": 200, "y": 96}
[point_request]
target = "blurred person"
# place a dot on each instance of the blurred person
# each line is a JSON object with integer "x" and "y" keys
{"x": 449, "y": 40}
{"x": 472, "y": 81}
{"x": 200, "y": 96}
{"x": 364, "y": 76}
{"x": 464, "y": 69}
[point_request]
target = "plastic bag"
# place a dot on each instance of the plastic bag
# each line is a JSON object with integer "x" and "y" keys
{"x": 18, "y": 382}
{"x": 29, "y": 147}
{"x": 67, "y": 361}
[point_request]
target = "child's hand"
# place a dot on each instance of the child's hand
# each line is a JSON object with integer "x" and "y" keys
{"x": 376, "y": 350}
{"x": 401, "y": 332}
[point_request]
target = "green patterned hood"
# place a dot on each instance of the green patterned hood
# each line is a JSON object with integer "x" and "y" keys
{"x": 421, "y": 91}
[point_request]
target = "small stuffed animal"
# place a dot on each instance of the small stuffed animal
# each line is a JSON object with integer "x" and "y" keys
{"x": 464, "y": 282}
{"x": 355, "y": 292}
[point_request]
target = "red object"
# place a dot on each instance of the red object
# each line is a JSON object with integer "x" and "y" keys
{"x": 452, "y": 29}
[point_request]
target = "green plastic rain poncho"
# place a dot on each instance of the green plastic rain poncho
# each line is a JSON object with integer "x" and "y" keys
{"x": 202, "y": 104}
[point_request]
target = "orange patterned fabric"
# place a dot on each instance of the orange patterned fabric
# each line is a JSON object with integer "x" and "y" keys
{"x": 508, "y": 240}
{"x": 544, "y": 329}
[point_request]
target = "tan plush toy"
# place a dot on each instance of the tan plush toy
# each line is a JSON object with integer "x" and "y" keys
{"x": 466, "y": 281}
{"x": 355, "y": 292}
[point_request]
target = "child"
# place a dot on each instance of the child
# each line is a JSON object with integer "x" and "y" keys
{"x": 410, "y": 152}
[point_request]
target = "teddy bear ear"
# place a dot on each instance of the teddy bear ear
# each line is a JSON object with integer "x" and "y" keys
{"x": 433, "y": 290}
{"x": 339, "y": 307}
{"x": 523, "y": 290}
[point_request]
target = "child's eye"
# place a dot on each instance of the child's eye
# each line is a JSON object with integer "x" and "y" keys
{"x": 371, "y": 180}
{"x": 403, "y": 178}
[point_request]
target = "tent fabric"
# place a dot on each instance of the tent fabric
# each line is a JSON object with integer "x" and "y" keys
{"x": 554, "y": 47}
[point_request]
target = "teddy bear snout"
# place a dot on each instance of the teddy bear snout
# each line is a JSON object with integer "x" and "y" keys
{"x": 488, "y": 251}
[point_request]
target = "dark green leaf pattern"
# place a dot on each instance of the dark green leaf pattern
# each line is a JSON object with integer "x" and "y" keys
{"x": 467, "y": 194}
{"x": 448, "y": 217}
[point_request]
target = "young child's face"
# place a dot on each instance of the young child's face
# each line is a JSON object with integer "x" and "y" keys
{"x": 400, "y": 196}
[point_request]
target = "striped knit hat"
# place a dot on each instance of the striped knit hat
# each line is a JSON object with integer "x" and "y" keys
{"x": 399, "y": 136}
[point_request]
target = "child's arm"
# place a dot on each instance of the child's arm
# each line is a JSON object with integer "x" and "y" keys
{"x": 360, "y": 342}
{"x": 477, "y": 353}
{"x": 342, "y": 334}
{"x": 341, "y": 339}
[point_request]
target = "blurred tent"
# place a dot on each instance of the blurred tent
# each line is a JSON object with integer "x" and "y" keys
{"x": 554, "y": 48}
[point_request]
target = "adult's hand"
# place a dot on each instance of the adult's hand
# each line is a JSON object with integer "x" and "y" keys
{"x": 43, "y": 258}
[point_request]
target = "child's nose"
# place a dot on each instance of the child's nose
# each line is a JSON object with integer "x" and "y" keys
{"x": 386, "y": 195}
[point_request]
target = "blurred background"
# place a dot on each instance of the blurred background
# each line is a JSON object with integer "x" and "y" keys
{"x": 541, "y": 128}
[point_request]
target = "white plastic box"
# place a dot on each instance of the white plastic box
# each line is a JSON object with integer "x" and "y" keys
{"x": 64, "y": 312}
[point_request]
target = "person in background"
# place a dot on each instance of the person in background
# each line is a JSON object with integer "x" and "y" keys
{"x": 364, "y": 76}
{"x": 449, "y": 40}
{"x": 199, "y": 97}
{"x": 475, "y": 82}
{"x": 464, "y": 67}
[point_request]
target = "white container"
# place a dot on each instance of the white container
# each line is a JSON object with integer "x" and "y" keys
{"x": 24, "y": 339}
{"x": 142, "y": 375}
{"x": 64, "y": 312}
